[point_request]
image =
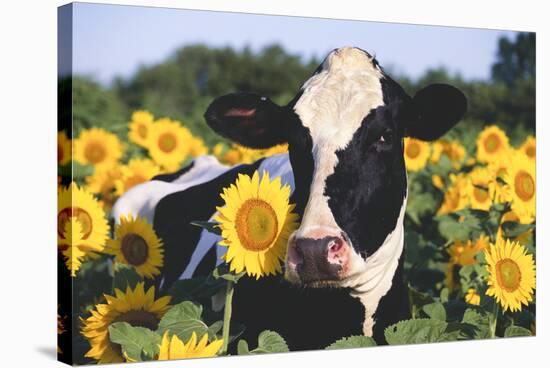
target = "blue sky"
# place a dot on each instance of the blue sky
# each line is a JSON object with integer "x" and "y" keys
{"x": 111, "y": 40}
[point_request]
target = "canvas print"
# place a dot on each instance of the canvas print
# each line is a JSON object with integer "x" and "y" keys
{"x": 235, "y": 184}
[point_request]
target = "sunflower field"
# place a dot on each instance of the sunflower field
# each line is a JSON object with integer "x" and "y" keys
{"x": 470, "y": 244}
{"x": 470, "y": 237}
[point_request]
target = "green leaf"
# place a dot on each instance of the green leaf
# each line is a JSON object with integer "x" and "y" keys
{"x": 222, "y": 272}
{"x": 461, "y": 225}
{"x": 182, "y": 320}
{"x": 139, "y": 343}
{"x": 125, "y": 276}
{"x": 270, "y": 342}
{"x": 512, "y": 229}
{"x": 352, "y": 342}
{"x": 214, "y": 329}
{"x": 417, "y": 300}
{"x": 242, "y": 348}
{"x": 211, "y": 227}
{"x": 415, "y": 331}
{"x": 444, "y": 295}
{"x": 481, "y": 320}
{"x": 435, "y": 311}
{"x": 513, "y": 331}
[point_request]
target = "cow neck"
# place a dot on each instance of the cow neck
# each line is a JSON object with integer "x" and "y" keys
{"x": 370, "y": 286}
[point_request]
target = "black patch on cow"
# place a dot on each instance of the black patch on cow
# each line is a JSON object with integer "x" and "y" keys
{"x": 207, "y": 263}
{"x": 366, "y": 191}
{"x": 394, "y": 306}
{"x": 173, "y": 176}
{"x": 308, "y": 318}
{"x": 175, "y": 212}
{"x": 302, "y": 163}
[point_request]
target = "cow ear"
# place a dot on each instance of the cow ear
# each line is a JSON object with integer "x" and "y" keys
{"x": 434, "y": 110}
{"x": 249, "y": 119}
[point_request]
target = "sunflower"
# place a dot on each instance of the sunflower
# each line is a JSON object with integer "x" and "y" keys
{"x": 491, "y": 142}
{"x": 479, "y": 194}
{"x": 529, "y": 147}
{"x": 452, "y": 149}
{"x": 472, "y": 297}
{"x": 136, "y": 172}
{"x": 438, "y": 182}
{"x": 499, "y": 189}
{"x": 135, "y": 243}
{"x": 98, "y": 147}
{"x": 137, "y": 307}
{"x": 511, "y": 216}
{"x": 511, "y": 274}
{"x": 140, "y": 127}
{"x": 522, "y": 180}
{"x": 456, "y": 196}
{"x": 197, "y": 147}
{"x": 169, "y": 143}
{"x": 464, "y": 253}
{"x": 416, "y": 153}
{"x": 174, "y": 348}
{"x": 73, "y": 245}
{"x": 63, "y": 148}
{"x": 102, "y": 183}
{"x": 80, "y": 204}
{"x": 256, "y": 222}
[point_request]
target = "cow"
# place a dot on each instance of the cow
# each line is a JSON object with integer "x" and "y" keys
{"x": 344, "y": 264}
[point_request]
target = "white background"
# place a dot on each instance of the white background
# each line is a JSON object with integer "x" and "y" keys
{"x": 28, "y": 179}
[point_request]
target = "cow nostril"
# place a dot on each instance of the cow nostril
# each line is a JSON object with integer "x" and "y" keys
{"x": 335, "y": 245}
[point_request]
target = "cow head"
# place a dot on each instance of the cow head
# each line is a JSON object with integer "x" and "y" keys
{"x": 344, "y": 130}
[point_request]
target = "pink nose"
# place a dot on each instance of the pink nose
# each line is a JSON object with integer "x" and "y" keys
{"x": 318, "y": 259}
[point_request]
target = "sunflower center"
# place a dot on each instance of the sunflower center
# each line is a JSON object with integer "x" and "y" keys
{"x": 142, "y": 130}
{"x": 139, "y": 318}
{"x": 95, "y": 152}
{"x": 481, "y": 194}
{"x": 81, "y": 215}
{"x": 413, "y": 150}
{"x": 492, "y": 143}
{"x": 256, "y": 224}
{"x": 508, "y": 274}
{"x": 531, "y": 151}
{"x": 167, "y": 142}
{"x": 525, "y": 185}
{"x": 135, "y": 249}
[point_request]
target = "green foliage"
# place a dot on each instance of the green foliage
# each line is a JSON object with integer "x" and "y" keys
{"x": 125, "y": 276}
{"x": 514, "y": 331}
{"x": 185, "y": 318}
{"x": 138, "y": 343}
{"x": 416, "y": 331}
{"x": 481, "y": 319}
{"x": 222, "y": 272}
{"x": 268, "y": 342}
{"x": 352, "y": 342}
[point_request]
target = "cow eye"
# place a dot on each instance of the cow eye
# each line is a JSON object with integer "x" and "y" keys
{"x": 385, "y": 137}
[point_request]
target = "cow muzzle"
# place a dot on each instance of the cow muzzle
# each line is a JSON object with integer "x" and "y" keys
{"x": 317, "y": 260}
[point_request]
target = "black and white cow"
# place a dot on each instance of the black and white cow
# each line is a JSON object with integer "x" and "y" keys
{"x": 344, "y": 264}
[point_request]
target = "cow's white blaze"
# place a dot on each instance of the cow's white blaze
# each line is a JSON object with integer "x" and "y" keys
{"x": 332, "y": 106}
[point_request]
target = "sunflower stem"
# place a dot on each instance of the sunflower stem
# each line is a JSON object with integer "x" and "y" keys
{"x": 227, "y": 315}
{"x": 493, "y": 326}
